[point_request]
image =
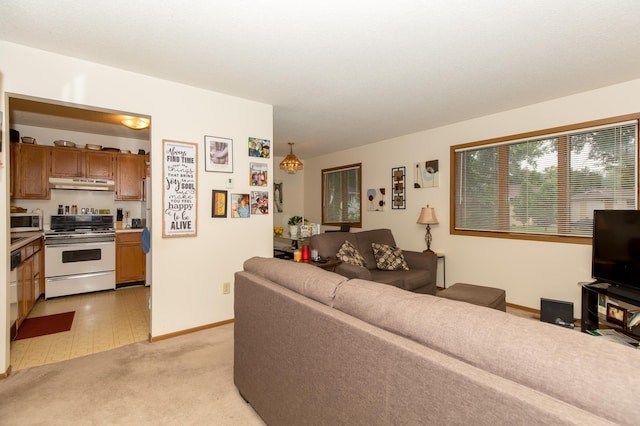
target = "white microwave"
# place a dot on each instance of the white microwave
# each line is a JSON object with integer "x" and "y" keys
{"x": 23, "y": 222}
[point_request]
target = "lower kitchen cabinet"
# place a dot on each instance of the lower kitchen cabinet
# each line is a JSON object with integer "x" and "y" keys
{"x": 130, "y": 259}
{"x": 30, "y": 278}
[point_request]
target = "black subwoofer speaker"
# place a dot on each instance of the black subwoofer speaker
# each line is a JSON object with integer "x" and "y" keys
{"x": 557, "y": 312}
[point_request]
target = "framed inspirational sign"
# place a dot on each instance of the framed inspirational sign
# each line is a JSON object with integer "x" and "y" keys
{"x": 180, "y": 189}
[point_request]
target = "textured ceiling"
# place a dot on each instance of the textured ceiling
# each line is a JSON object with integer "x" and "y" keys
{"x": 347, "y": 73}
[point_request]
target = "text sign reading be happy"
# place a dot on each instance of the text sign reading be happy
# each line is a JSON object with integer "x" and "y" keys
{"x": 180, "y": 182}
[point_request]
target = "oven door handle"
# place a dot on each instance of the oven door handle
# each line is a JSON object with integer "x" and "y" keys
{"x": 74, "y": 276}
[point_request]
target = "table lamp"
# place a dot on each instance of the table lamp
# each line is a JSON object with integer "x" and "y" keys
{"x": 428, "y": 217}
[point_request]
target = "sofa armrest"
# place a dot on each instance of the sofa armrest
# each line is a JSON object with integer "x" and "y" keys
{"x": 421, "y": 260}
{"x": 353, "y": 271}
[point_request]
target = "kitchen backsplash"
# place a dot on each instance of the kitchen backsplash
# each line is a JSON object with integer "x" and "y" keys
{"x": 86, "y": 199}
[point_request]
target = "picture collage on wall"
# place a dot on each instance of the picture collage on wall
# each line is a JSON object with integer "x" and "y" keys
{"x": 219, "y": 158}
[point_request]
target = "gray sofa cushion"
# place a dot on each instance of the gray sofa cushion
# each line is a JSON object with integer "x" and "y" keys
{"x": 548, "y": 358}
{"x": 407, "y": 280}
{"x": 310, "y": 281}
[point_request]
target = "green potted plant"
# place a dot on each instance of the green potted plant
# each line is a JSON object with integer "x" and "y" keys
{"x": 294, "y": 223}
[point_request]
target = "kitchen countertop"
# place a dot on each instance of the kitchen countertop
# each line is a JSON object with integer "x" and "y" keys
{"x": 24, "y": 238}
{"x": 118, "y": 231}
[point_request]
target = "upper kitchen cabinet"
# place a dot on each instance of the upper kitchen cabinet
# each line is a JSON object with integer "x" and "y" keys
{"x": 66, "y": 162}
{"x": 72, "y": 162}
{"x": 99, "y": 164}
{"x": 29, "y": 172}
{"x": 129, "y": 176}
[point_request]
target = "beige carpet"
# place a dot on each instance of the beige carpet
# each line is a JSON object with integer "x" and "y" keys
{"x": 185, "y": 380}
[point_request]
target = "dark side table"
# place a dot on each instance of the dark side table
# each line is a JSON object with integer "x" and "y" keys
{"x": 329, "y": 265}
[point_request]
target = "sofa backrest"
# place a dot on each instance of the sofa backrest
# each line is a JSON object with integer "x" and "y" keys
{"x": 364, "y": 240}
{"x": 307, "y": 280}
{"x": 587, "y": 372}
{"x": 329, "y": 243}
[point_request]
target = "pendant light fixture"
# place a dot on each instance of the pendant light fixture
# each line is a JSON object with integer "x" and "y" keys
{"x": 136, "y": 123}
{"x": 291, "y": 163}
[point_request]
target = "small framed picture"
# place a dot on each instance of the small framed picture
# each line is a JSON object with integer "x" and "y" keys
{"x": 240, "y": 207}
{"x": 259, "y": 148}
{"x": 218, "y": 203}
{"x": 218, "y": 154}
{"x": 616, "y": 314}
{"x": 259, "y": 202}
{"x": 258, "y": 174}
{"x": 398, "y": 188}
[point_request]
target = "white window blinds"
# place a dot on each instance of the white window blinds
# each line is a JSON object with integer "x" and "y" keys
{"x": 547, "y": 184}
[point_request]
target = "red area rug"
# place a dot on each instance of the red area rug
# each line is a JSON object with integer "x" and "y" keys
{"x": 48, "y": 324}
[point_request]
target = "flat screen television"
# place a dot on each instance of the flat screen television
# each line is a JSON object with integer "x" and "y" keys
{"x": 616, "y": 250}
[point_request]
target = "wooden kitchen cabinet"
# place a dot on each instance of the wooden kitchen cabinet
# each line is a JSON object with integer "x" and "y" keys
{"x": 129, "y": 176}
{"x": 30, "y": 171}
{"x": 130, "y": 259}
{"x": 99, "y": 164}
{"x": 81, "y": 163}
{"x": 13, "y": 160}
{"x": 30, "y": 278}
{"x": 32, "y": 165}
{"x": 66, "y": 162}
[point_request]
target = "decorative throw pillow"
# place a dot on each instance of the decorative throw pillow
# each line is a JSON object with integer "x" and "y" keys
{"x": 349, "y": 254}
{"x": 389, "y": 258}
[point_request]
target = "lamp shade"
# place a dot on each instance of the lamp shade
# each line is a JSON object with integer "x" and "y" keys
{"x": 428, "y": 216}
{"x": 291, "y": 163}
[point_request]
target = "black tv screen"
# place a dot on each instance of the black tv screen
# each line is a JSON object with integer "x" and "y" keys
{"x": 616, "y": 247}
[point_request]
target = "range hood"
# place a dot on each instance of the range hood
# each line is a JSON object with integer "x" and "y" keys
{"x": 82, "y": 184}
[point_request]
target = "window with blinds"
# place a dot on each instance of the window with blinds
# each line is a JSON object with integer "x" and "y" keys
{"x": 341, "y": 189}
{"x": 545, "y": 185}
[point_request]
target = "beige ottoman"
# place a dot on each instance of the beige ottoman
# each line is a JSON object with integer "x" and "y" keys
{"x": 478, "y": 295}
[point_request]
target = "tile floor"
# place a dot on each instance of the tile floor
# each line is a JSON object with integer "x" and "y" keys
{"x": 103, "y": 321}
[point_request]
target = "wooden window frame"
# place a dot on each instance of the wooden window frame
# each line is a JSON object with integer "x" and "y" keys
{"x": 353, "y": 224}
{"x": 563, "y": 177}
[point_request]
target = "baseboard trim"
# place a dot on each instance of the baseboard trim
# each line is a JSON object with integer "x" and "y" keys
{"x": 5, "y": 374}
{"x": 524, "y": 308}
{"x": 188, "y": 331}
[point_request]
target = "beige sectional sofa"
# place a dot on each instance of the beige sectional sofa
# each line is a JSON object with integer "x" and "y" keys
{"x": 312, "y": 347}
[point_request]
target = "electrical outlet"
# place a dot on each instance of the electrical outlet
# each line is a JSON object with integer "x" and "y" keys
{"x": 226, "y": 288}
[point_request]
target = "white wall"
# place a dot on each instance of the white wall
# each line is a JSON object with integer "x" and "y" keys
{"x": 527, "y": 270}
{"x": 187, "y": 272}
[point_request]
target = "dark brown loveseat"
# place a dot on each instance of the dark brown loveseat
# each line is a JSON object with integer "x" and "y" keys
{"x": 420, "y": 278}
